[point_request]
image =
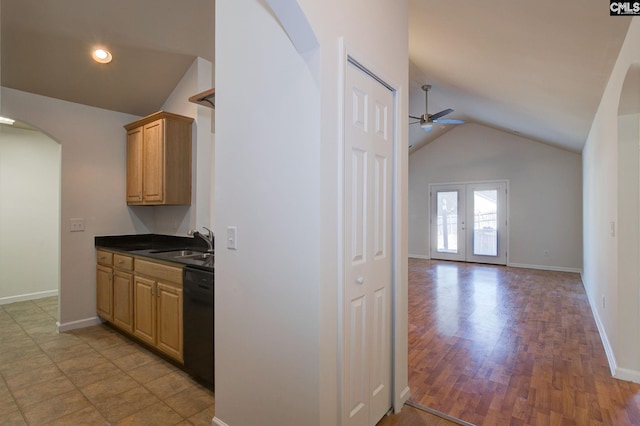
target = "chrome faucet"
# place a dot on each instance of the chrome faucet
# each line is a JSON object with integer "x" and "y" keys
{"x": 208, "y": 237}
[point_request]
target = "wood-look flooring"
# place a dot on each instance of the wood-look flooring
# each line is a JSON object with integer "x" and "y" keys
{"x": 494, "y": 345}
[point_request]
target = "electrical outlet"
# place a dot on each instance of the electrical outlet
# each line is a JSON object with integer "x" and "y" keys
{"x": 76, "y": 225}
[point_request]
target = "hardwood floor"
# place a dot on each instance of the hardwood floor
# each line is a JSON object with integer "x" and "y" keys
{"x": 494, "y": 345}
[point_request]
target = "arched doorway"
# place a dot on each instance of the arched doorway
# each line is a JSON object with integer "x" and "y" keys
{"x": 628, "y": 232}
{"x": 30, "y": 171}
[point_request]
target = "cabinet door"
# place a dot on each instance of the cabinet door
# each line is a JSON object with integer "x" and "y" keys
{"x": 104, "y": 292}
{"x": 123, "y": 300}
{"x": 144, "y": 309}
{"x": 153, "y": 159}
{"x": 134, "y": 166}
{"x": 170, "y": 320}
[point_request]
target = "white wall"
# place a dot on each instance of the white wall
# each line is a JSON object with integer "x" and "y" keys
{"x": 277, "y": 169}
{"x": 93, "y": 188}
{"x": 29, "y": 215}
{"x": 545, "y": 197}
{"x": 605, "y": 163}
{"x": 178, "y": 220}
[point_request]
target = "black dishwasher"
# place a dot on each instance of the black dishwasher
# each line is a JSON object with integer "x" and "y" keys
{"x": 198, "y": 323}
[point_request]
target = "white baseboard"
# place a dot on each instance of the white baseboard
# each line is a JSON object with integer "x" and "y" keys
{"x": 627, "y": 375}
{"x": 545, "y": 267}
{"x": 217, "y": 422}
{"x": 30, "y": 296}
{"x": 419, "y": 256}
{"x": 608, "y": 350}
{"x": 404, "y": 397}
{"x": 87, "y": 322}
{"x": 617, "y": 372}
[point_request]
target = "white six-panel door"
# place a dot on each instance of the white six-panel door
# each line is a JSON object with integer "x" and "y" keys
{"x": 368, "y": 155}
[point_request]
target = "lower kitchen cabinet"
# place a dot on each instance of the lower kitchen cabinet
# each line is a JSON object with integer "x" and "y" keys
{"x": 158, "y": 315}
{"x": 123, "y": 292}
{"x": 104, "y": 292}
{"x": 142, "y": 298}
{"x": 104, "y": 284}
{"x": 169, "y": 320}
{"x": 144, "y": 311}
{"x": 123, "y": 300}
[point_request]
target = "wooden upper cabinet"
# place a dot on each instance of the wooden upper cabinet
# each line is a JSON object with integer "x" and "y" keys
{"x": 134, "y": 166}
{"x": 159, "y": 160}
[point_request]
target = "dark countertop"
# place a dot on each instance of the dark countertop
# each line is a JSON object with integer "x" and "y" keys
{"x": 154, "y": 246}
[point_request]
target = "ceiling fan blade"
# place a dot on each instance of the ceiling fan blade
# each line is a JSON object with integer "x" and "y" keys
{"x": 448, "y": 121}
{"x": 442, "y": 113}
{"x": 414, "y": 117}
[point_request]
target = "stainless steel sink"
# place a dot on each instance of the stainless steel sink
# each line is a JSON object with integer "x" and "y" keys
{"x": 186, "y": 254}
{"x": 198, "y": 256}
{"x": 177, "y": 253}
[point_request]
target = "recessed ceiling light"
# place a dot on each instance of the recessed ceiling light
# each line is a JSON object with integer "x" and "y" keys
{"x": 102, "y": 56}
{"x": 4, "y": 120}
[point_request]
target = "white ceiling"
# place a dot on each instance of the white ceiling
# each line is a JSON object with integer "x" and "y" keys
{"x": 533, "y": 67}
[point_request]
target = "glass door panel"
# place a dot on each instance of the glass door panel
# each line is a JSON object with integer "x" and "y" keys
{"x": 485, "y": 225}
{"x": 487, "y": 239}
{"x": 447, "y": 222}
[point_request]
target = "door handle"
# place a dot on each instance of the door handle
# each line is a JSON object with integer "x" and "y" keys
{"x": 360, "y": 280}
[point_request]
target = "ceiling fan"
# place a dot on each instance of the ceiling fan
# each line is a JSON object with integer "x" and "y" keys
{"x": 427, "y": 120}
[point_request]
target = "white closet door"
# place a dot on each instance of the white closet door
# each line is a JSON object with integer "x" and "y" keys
{"x": 369, "y": 111}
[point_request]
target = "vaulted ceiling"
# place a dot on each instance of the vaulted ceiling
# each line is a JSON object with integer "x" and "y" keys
{"x": 533, "y": 68}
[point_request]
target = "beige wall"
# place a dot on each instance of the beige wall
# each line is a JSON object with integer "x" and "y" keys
{"x": 93, "y": 185}
{"x": 545, "y": 192}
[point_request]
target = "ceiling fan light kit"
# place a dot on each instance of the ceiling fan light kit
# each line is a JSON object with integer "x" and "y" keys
{"x": 426, "y": 126}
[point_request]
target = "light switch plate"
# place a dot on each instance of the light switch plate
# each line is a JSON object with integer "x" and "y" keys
{"x": 232, "y": 238}
{"x": 76, "y": 225}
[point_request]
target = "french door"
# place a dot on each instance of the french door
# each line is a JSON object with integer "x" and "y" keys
{"x": 469, "y": 222}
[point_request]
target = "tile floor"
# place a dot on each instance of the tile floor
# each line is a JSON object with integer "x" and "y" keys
{"x": 89, "y": 376}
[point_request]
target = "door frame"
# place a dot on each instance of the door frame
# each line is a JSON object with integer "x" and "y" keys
{"x": 465, "y": 184}
{"x": 399, "y": 309}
